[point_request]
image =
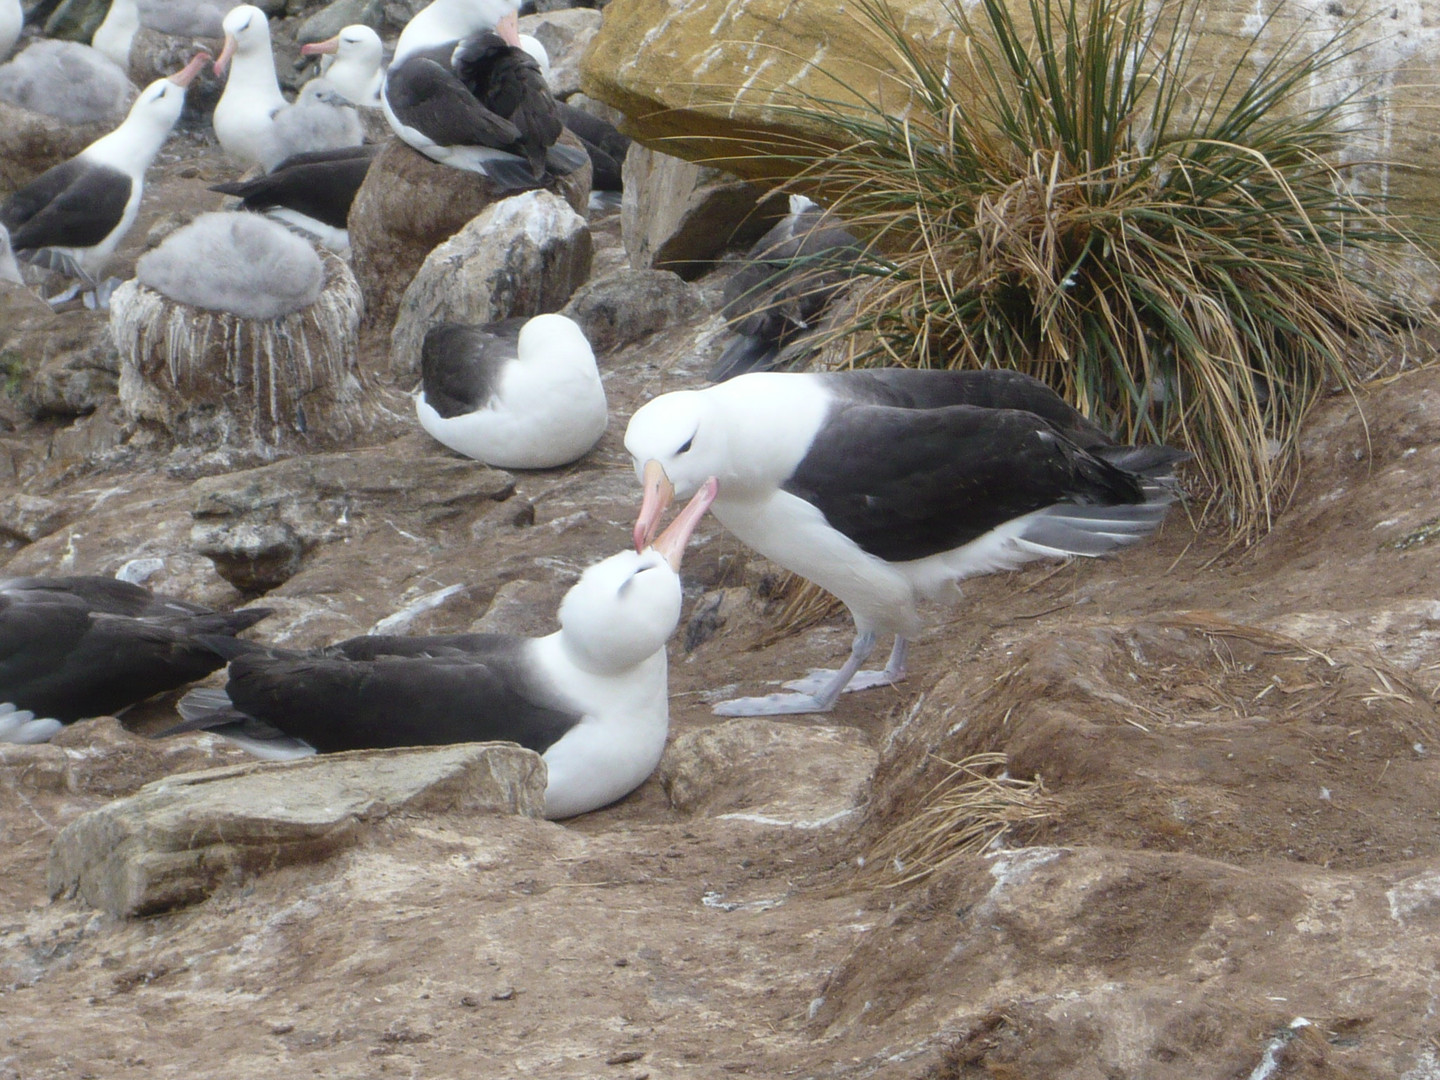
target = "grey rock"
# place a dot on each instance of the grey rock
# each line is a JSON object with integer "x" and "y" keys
{"x": 521, "y": 256}
{"x": 409, "y": 204}
{"x": 338, "y": 14}
{"x": 608, "y": 113}
{"x": 257, "y": 525}
{"x": 680, "y": 216}
{"x": 55, "y": 363}
{"x": 731, "y": 770}
{"x": 177, "y": 840}
{"x": 31, "y": 142}
{"x": 628, "y": 305}
{"x": 29, "y": 517}
{"x": 565, "y": 35}
{"x": 524, "y": 608}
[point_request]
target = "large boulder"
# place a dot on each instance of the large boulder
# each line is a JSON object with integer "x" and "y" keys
{"x": 177, "y": 840}
{"x": 679, "y": 216}
{"x": 31, "y": 142}
{"x": 521, "y": 256}
{"x": 708, "y": 73}
{"x": 565, "y": 34}
{"x": 410, "y": 204}
{"x": 627, "y": 305}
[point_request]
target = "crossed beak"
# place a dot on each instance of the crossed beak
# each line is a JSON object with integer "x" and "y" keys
{"x": 671, "y": 543}
{"x": 509, "y": 29}
{"x": 186, "y": 75}
{"x": 319, "y": 47}
{"x": 659, "y": 492}
{"x": 225, "y": 54}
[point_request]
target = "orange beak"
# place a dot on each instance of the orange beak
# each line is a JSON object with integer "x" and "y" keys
{"x": 225, "y": 54}
{"x": 659, "y": 492}
{"x": 671, "y": 543}
{"x": 319, "y": 47}
{"x": 186, "y": 75}
{"x": 509, "y": 29}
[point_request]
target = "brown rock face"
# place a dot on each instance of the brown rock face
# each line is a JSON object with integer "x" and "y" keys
{"x": 408, "y": 205}
{"x": 709, "y": 72}
{"x": 31, "y": 142}
{"x": 679, "y": 216}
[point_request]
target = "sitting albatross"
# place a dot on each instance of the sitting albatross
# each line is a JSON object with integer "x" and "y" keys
{"x": 462, "y": 91}
{"x": 885, "y": 487}
{"x": 591, "y": 697}
{"x": 73, "y": 647}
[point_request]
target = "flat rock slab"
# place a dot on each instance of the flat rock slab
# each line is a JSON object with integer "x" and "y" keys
{"x": 176, "y": 840}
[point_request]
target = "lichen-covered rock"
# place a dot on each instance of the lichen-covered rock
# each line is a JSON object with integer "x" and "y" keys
{"x": 629, "y": 305}
{"x": 679, "y": 216}
{"x": 154, "y": 55}
{"x": 176, "y": 840}
{"x": 410, "y": 204}
{"x": 336, "y": 15}
{"x": 55, "y": 363}
{"x": 524, "y": 255}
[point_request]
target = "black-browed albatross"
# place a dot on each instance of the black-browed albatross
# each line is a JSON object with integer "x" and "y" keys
{"x": 462, "y": 91}
{"x": 72, "y": 647}
{"x": 73, "y": 216}
{"x": 591, "y": 698}
{"x": 886, "y": 487}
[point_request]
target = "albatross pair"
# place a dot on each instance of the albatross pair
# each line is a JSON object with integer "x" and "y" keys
{"x": 889, "y": 487}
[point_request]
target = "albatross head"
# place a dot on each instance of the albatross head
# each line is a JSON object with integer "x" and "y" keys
{"x": 624, "y": 609}
{"x": 676, "y": 444}
{"x": 246, "y": 31}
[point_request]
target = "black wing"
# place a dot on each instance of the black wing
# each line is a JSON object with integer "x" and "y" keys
{"x": 75, "y": 204}
{"x": 320, "y": 184}
{"x": 61, "y": 660}
{"x": 335, "y": 703}
{"x": 509, "y": 83}
{"x": 907, "y": 483}
{"x": 461, "y": 366}
{"x": 426, "y": 95}
{"x": 991, "y": 388}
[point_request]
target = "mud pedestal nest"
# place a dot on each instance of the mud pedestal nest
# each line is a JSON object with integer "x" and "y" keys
{"x": 213, "y": 378}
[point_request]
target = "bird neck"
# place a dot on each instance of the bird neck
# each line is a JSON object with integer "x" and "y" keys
{"x": 131, "y": 147}
{"x": 252, "y": 75}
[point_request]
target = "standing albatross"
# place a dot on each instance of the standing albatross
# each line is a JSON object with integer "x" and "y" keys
{"x": 888, "y": 487}
{"x": 72, "y": 217}
{"x": 590, "y": 698}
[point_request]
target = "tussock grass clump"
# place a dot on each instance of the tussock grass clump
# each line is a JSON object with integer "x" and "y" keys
{"x": 972, "y": 807}
{"x": 1181, "y": 253}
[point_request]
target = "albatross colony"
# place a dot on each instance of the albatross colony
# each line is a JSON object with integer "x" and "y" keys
{"x": 887, "y": 487}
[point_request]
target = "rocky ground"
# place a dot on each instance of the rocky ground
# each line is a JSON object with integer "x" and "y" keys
{"x": 1237, "y": 873}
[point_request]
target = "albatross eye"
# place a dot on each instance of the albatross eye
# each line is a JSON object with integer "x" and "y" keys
{"x": 686, "y": 447}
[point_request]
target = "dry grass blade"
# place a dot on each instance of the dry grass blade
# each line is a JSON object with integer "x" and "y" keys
{"x": 974, "y": 805}
{"x": 806, "y": 605}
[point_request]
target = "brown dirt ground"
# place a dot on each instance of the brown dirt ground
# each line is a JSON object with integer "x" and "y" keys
{"x": 1238, "y": 756}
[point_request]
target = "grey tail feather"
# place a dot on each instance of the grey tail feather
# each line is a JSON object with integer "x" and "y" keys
{"x": 233, "y": 187}
{"x": 746, "y": 353}
{"x": 564, "y": 159}
{"x": 227, "y": 647}
{"x": 1073, "y": 529}
{"x": 200, "y": 710}
{"x": 513, "y": 175}
{"x": 207, "y": 709}
{"x": 1152, "y": 462}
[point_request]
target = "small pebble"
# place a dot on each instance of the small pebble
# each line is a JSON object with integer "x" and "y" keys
{"x": 625, "y": 1057}
{"x": 470, "y": 1002}
{"x": 281, "y": 1029}
{"x": 504, "y": 994}
{"x": 622, "y": 962}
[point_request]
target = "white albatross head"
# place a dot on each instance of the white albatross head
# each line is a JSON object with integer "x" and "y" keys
{"x": 676, "y": 442}
{"x": 132, "y": 146}
{"x": 247, "y": 32}
{"x": 624, "y": 609}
